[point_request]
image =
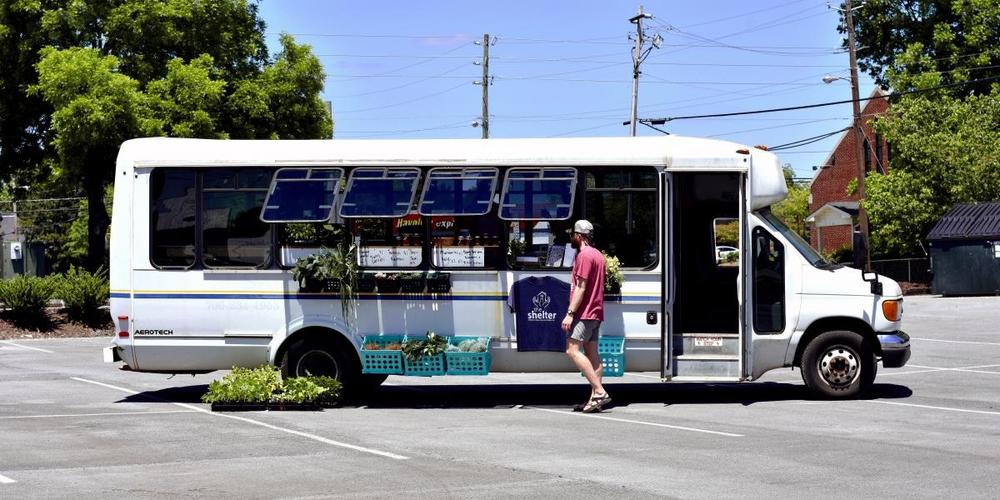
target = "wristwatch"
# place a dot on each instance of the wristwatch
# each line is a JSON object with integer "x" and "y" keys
{"x": 570, "y": 313}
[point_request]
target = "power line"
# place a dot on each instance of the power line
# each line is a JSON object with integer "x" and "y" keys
{"x": 823, "y": 104}
{"x": 807, "y": 141}
{"x": 403, "y": 103}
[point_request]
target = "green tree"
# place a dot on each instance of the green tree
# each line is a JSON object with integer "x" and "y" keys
{"x": 943, "y": 40}
{"x": 794, "y": 209}
{"x": 946, "y": 150}
{"x": 103, "y": 71}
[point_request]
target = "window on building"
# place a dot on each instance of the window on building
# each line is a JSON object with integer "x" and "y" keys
{"x": 538, "y": 194}
{"x": 879, "y": 161}
{"x": 232, "y": 233}
{"x": 867, "y": 155}
{"x": 302, "y": 195}
{"x": 380, "y": 192}
{"x": 458, "y": 191}
{"x": 173, "y": 212}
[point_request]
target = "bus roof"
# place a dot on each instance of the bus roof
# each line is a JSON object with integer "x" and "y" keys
{"x": 672, "y": 152}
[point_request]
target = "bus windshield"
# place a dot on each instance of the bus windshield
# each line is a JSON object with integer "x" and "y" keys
{"x": 814, "y": 258}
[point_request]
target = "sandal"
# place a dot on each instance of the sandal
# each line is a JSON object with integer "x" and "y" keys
{"x": 596, "y": 403}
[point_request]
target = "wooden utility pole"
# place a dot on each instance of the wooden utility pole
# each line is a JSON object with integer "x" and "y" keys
{"x": 486, "y": 86}
{"x": 859, "y": 135}
{"x": 636, "y": 61}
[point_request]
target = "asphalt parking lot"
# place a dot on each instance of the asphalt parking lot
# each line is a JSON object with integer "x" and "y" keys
{"x": 72, "y": 426}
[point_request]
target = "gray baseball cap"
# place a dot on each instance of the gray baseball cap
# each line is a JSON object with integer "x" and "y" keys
{"x": 583, "y": 226}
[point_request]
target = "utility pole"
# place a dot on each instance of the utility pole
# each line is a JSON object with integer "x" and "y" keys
{"x": 859, "y": 136}
{"x": 637, "y": 57}
{"x": 485, "y": 119}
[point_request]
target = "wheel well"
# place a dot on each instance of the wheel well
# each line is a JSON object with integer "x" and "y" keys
{"x": 322, "y": 335}
{"x": 820, "y": 326}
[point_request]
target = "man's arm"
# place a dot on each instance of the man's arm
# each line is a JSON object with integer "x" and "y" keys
{"x": 574, "y": 302}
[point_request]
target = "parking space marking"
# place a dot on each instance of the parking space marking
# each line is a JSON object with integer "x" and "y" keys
{"x": 68, "y": 415}
{"x": 966, "y": 369}
{"x": 638, "y": 422}
{"x": 7, "y": 342}
{"x": 942, "y": 408}
{"x": 6, "y": 480}
{"x": 306, "y": 435}
{"x": 955, "y": 341}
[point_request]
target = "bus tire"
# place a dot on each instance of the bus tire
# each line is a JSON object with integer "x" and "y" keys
{"x": 838, "y": 365}
{"x": 315, "y": 357}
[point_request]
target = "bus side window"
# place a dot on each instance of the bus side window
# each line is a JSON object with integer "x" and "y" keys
{"x": 538, "y": 205}
{"x": 621, "y": 204}
{"x": 172, "y": 218}
{"x": 768, "y": 283}
{"x": 232, "y": 233}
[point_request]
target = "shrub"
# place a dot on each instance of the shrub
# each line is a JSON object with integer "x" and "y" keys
{"x": 84, "y": 294}
{"x": 25, "y": 298}
{"x": 613, "y": 277}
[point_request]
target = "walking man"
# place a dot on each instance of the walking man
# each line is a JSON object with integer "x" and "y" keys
{"x": 582, "y": 323}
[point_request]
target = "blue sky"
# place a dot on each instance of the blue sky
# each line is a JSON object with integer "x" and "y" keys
{"x": 563, "y": 68}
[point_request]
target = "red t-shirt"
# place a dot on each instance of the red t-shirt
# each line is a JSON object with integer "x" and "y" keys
{"x": 589, "y": 265}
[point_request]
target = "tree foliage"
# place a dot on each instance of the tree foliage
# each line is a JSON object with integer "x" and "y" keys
{"x": 917, "y": 43}
{"x": 946, "y": 150}
{"x": 794, "y": 209}
{"x": 86, "y": 75}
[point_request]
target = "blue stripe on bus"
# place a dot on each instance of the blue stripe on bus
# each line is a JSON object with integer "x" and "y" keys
{"x": 322, "y": 296}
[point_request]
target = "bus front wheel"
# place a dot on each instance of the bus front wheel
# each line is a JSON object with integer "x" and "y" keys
{"x": 838, "y": 365}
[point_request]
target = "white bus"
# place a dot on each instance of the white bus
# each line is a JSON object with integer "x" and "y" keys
{"x": 201, "y": 280}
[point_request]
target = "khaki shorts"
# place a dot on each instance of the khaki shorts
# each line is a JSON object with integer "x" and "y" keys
{"x": 585, "y": 330}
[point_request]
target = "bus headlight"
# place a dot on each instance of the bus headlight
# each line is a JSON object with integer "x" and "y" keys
{"x": 892, "y": 309}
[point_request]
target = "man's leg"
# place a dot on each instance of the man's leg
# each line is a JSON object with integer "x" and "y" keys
{"x": 585, "y": 365}
{"x": 595, "y": 361}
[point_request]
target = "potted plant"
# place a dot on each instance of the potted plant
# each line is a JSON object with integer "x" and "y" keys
{"x": 334, "y": 270}
{"x": 613, "y": 277}
{"x": 387, "y": 282}
{"x": 425, "y": 357}
{"x": 438, "y": 282}
{"x": 411, "y": 282}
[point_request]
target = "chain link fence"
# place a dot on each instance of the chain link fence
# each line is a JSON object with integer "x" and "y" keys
{"x": 916, "y": 270}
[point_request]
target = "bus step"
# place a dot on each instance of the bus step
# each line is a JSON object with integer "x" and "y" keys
{"x": 708, "y": 365}
{"x": 707, "y": 343}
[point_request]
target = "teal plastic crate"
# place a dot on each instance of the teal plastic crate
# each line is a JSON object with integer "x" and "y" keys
{"x": 382, "y": 361}
{"x": 468, "y": 363}
{"x": 612, "y": 352}
{"x": 426, "y": 366}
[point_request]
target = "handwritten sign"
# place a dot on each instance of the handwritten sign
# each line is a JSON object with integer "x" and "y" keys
{"x": 459, "y": 256}
{"x": 372, "y": 256}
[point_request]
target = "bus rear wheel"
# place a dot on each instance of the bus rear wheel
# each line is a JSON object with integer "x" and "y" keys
{"x": 838, "y": 365}
{"x": 310, "y": 357}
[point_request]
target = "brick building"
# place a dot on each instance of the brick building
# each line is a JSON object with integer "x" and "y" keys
{"x": 832, "y": 211}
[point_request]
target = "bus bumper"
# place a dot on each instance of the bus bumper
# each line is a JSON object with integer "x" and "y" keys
{"x": 111, "y": 354}
{"x": 895, "y": 349}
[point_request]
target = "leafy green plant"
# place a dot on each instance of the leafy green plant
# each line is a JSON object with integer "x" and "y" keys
{"x": 83, "y": 294}
{"x": 264, "y": 385}
{"x": 731, "y": 257}
{"x": 339, "y": 264}
{"x": 26, "y": 298}
{"x": 245, "y": 385}
{"x": 613, "y": 277}
{"x": 515, "y": 248}
{"x": 432, "y": 345}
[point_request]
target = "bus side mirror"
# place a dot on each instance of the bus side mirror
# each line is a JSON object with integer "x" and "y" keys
{"x": 873, "y": 279}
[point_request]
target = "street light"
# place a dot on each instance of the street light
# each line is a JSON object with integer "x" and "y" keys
{"x": 831, "y": 78}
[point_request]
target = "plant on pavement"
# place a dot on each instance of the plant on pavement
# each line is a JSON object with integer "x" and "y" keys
{"x": 264, "y": 385}
{"x": 25, "y": 299}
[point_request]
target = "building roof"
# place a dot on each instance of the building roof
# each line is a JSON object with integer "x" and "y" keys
{"x": 968, "y": 221}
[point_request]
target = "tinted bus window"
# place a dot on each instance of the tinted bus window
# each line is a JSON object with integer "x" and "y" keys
{"x": 538, "y": 194}
{"x": 380, "y": 192}
{"x": 622, "y": 206}
{"x": 172, "y": 218}
{"x": 301, "y": 195}
{"x": 232, "y": 233}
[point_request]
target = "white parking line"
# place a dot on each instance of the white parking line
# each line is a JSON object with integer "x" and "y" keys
{"x": 7, "y": 342}
{"x": 68, "y": 415}
{"x": 966, "y": 369}
{"x": 638, "y": 422}
{"x": 6, "y": 480}
{"x": 307, "y": 435}
{"x": 942, "y": 408}
{"x": 955, "y": 341}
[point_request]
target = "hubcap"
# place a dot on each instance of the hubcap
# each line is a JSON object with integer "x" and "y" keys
{"x": 317, "y": 362}
{"x": 839, "y": 366}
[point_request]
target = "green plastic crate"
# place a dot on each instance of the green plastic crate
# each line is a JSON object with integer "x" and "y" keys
{"x": 468, "y": 363}
{"x": 612, "y": 352}
{"x": 426, "y": 366}
{"x": 382, "y": 361}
